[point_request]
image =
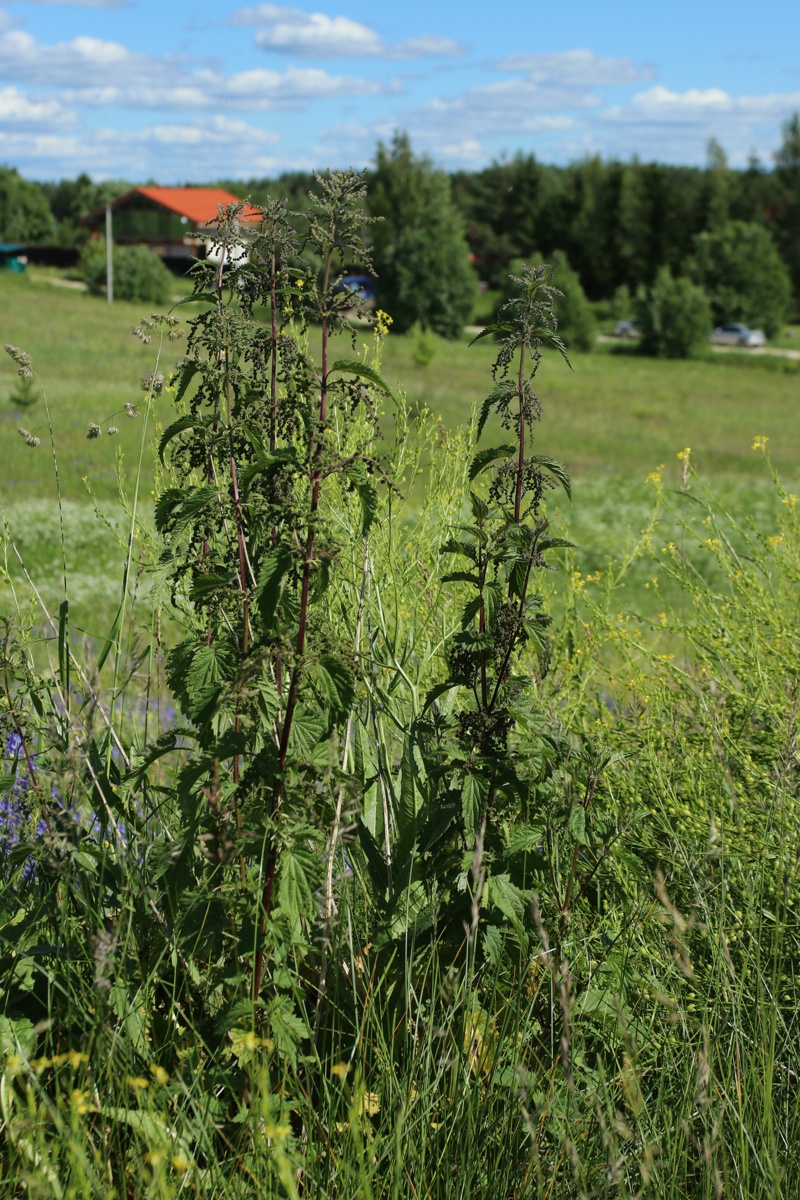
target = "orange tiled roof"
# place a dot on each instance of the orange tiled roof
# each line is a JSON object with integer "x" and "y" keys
{"x": 198, "y": 204}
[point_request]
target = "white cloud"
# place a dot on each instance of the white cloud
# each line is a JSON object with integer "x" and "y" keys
{"x": 676, "y": 126}
{"x": 20, "y": 110}
{"x": 316, "y": 35}
{"x": 659, "y": 105}
{"x": 576, "y": 68}
{"x": 83, "y": 62}
{"x": 93, "y": 73}
{"x": 202, "y": 149}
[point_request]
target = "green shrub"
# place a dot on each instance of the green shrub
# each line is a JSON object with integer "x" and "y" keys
{"x": 743, "y": 275}
{"x": 423, "y": 346}
{"x": 139, "y": 274}
{"x": 675, "y": 317}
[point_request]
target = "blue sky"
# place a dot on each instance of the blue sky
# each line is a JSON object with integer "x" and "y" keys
{"x": 176, "y": 91}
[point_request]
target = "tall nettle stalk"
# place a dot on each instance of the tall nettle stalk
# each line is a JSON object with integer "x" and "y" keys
{"x": 250, "y": 548}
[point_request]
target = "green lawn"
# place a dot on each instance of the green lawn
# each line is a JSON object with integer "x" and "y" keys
{"x": 612, "y": 419}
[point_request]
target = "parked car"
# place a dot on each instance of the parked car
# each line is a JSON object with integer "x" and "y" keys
{"x": 734, "y": 333}
{"x": 627, "y": 329}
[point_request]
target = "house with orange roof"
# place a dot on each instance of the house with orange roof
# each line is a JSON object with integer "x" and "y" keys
{"x": 177, "y": 223}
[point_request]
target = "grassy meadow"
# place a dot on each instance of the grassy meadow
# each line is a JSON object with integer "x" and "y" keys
{"x": 615, "y": 1017}
{"x": 612, "y": 420}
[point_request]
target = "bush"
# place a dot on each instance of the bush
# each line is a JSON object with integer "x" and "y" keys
{"x": 743, "y": 275}
{"x": 139, "y": 274}
{"x": 675, "y": 317}
{"x": 423, "y": 346}
{"x": 577, "y": 326}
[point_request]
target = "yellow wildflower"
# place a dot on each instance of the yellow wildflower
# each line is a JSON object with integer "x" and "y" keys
{"x": 760, "y": 443}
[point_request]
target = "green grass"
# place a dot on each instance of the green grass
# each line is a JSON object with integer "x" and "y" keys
{"x": 612, "y": 420}
{"x": 122, "y": 1070}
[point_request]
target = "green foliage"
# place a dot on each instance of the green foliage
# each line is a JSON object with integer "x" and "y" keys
{"x": 419, "y": 249}
{"x": 423, "y": 346}
{"x": 420, "y": 890}
{"x": 139, "y": 274}
{"x": 24, "y": 212}
{"x": 741, "y": 271}
{"x": 674, "y": 316}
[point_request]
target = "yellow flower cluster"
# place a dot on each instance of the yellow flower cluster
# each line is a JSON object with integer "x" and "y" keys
{"x": 760, "y": 443}
{"x": 382, "y": 323}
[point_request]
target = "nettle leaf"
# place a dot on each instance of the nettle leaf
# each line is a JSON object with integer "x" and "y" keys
{"x": 188, "y": 372}
{"x": 206, "y": 586}
{"x": 407, "y": 807}
{"x": 337, "y": 685}
{"x": 441, "y": 689}
{"x": 461, "y": 577}
{"x": 546, "y": 335}
{"x": 526, "y": 838}
{"x": 195, "y": 672}
{"x": 271, "y": 581}
{"x": 352, "y": 366}
{"x": 265, "y": 463}
{"x": 555, "y": 468}
{"x": 577, "y": 824}
{"x": 510, "y": 900}
{"x": 502, "y": 391}
{"x": 180, "y": 426}
{"x": 495, "y": 327}
{"x": 194, "y": 505}
{"x": 296, "y": 882}
{"x": 165, "y": 505}
{"x": 485, "y": 458}
{"x": 471, "y": 610}
{"x": 367, "y": 493}
{"x": 453, "y": 546}
{"x": 474, "y": 792}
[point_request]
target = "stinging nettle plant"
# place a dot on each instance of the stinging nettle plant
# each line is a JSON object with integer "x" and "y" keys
{"x": 269, "y": 442}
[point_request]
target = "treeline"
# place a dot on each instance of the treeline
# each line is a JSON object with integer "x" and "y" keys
{"x": 618, "y": 224}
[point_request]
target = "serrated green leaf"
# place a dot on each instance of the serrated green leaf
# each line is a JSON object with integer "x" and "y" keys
{"x": 337, "y": 685}
{"x": 498, "y": 393}
{"x": 188, "y": 372}
{"x": 179, "y": 426}
{"x": 496, "y": 327}
{"x": 555, "y": 468}
{"x": 352, "y": 366}
{"x": 194, "y": 505}
{"x": 205, "y": 586}
{"x": 265, "y": 463}
{"x": 295, "y": 884}
{"x": 271, "y": 581}
{"x": 453, "y": 546}
{"x": 577, "y": 824}
{"x": 440, "y": 689}
{"x": 484, "y": 459}
{"x": 367, "y": 493}
{"x": 461, "y": 577}
{"x": 165, "y": 505}
{"x": 474, "y": 792}
{"x": 510, "y": 900}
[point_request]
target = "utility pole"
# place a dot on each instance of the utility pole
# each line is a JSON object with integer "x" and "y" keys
{"x": 109, "y": 259}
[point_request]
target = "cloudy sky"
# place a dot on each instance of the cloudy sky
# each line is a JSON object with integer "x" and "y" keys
{"x": 176, "y": 91}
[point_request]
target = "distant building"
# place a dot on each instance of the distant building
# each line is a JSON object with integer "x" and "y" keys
{"x": 177, "y": 223}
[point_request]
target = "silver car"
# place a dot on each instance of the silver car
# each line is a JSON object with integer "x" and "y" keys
{"x": 735, "y": 334}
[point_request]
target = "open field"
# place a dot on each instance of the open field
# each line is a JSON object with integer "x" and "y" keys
{"x": 612, "y": 420}
{"x": 502, "y": 914}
